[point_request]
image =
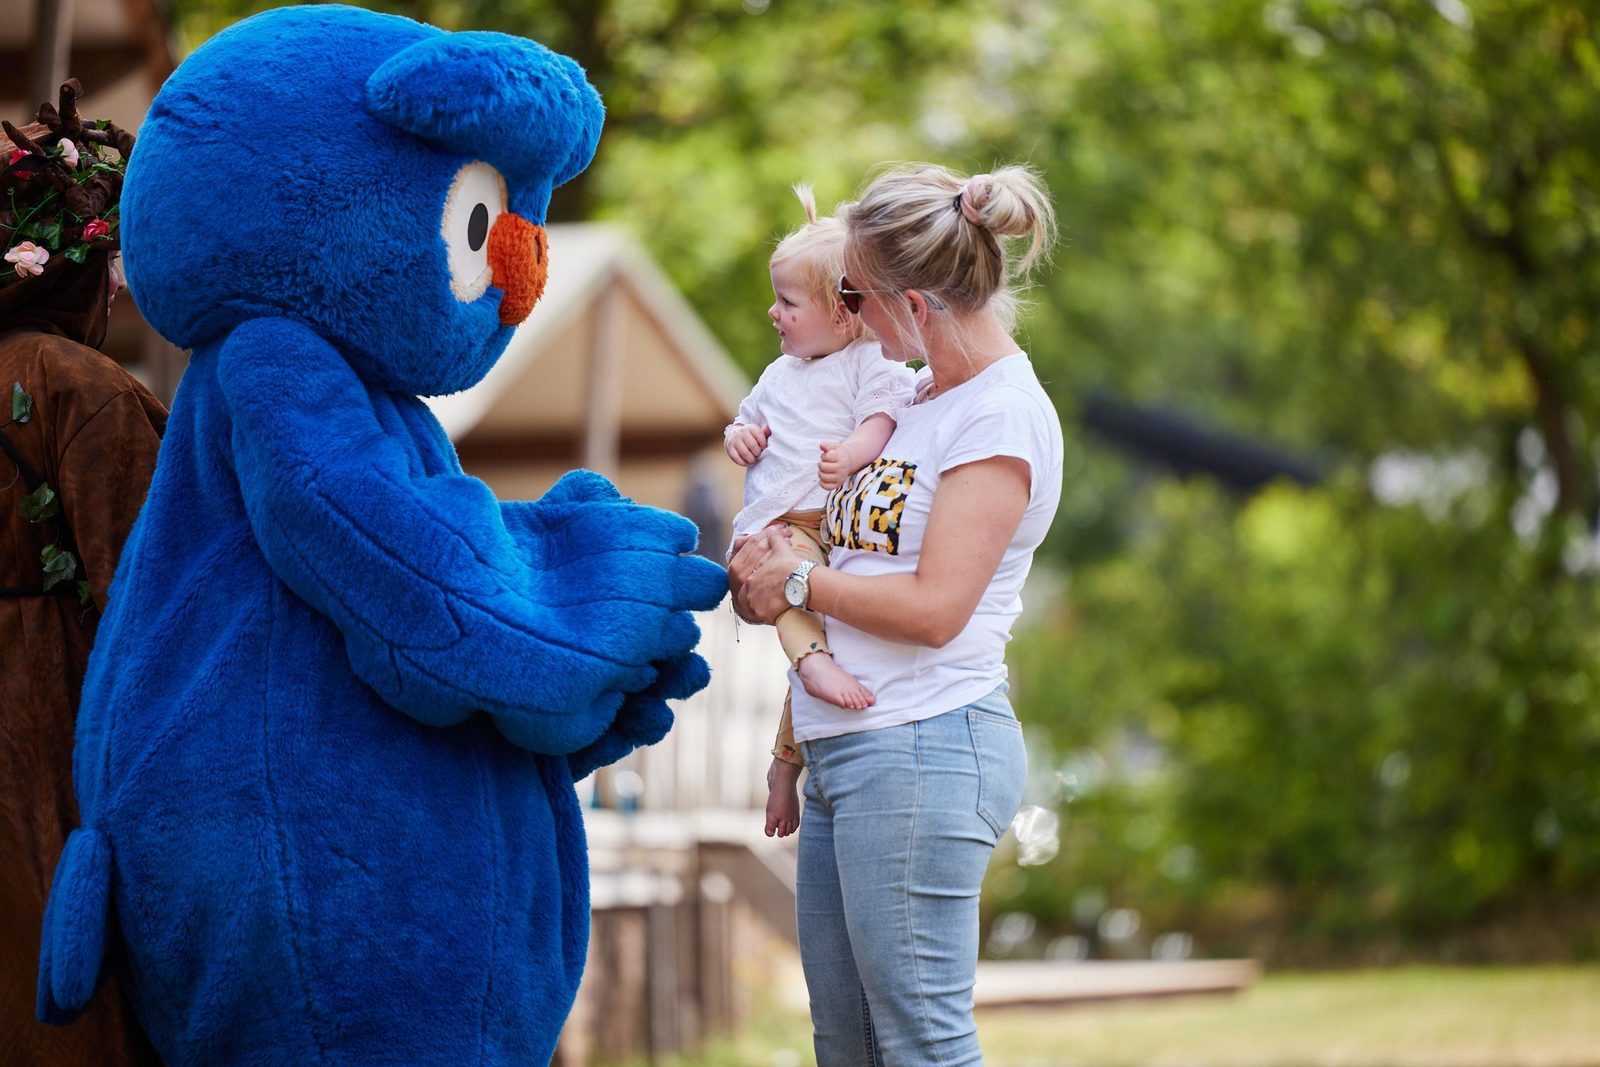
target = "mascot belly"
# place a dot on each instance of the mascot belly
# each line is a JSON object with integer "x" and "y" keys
{"x": 328, "y": 740}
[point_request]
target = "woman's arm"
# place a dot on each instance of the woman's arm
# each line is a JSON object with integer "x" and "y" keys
{"x": 975, "y": 514}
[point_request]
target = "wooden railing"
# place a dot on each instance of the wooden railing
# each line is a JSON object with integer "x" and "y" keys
{"x": 684, "y": 884}
{"x": 716, "y": 757}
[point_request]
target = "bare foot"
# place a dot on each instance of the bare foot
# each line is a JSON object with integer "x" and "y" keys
{"x": 783, "y": 811}
{"x": 783, "y": 799}
{"x": 826, "y": 680}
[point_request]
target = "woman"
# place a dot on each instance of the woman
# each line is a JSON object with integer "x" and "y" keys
{"x": 78, "y": 442}
{"x": 930, "y": 546}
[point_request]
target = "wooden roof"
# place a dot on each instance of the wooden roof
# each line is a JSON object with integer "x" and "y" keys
{"x": 611, "y": 346}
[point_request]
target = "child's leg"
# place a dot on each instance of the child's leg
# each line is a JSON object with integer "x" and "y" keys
{"x": 800, "y": 632}
{"x": 783, "y": 797}
{"x": 804, "y": 643}
{"x": 783, "y": 747}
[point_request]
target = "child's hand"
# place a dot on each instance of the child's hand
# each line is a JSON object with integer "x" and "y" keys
{"x": 745, "y": 445}
{"x": 835, "y": 466}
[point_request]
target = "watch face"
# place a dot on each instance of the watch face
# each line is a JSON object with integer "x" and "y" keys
{"x": 794, "y": 591}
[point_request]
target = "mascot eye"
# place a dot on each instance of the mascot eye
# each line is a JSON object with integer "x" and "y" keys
{"x": 477, "y": 197}
{"x": 478, "y": 227}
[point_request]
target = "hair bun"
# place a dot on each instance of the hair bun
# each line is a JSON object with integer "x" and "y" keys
{"x": 1008, "y": 201}
{"x": 974, "y": 197}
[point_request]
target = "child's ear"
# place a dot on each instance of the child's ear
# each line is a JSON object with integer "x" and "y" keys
{"x": 841, "y": 316}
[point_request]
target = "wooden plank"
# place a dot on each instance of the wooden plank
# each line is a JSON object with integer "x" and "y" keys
{"x": 1004, "y": 983}
{"x": 762, "y": 877}
{"x": 52, "y": 37}
{"x": 486, "y": 448}
{"x": 602, "y": 431}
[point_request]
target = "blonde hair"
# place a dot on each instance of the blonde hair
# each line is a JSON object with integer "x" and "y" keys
{"x": 816, "y": 249}
{"x": 922, "y": 226}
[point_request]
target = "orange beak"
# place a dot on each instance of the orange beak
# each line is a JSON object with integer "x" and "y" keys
{"x": 519, "y": 256}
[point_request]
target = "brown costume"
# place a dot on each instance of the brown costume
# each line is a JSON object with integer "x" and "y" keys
{"x": 92, "y": 437}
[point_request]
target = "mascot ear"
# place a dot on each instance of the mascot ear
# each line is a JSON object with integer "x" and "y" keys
{"x": 505, "y": 100}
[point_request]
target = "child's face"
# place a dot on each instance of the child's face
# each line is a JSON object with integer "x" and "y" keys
{"x": 807, "y": 329}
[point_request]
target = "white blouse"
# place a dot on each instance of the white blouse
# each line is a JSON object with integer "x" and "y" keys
{"x": 807, "y": 402}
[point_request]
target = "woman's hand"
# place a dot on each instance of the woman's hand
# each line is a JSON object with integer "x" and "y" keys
{"x": 757, "y": 572}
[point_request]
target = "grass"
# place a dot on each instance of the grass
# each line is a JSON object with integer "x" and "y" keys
{"x": 1411, "y": 1017}
{"x": 1405, "y": 1017}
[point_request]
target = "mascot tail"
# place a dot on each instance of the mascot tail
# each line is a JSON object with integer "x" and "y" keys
{"x": 75, "y": 922}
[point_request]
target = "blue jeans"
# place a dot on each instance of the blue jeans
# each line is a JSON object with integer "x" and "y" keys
{"x": 899, "y": 824}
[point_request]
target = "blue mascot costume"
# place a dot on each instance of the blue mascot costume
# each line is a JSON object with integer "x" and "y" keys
{"x": 300, "y": 836}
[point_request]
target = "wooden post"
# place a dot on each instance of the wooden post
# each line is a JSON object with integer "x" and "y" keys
{"x": 602, "y": 430}
{"x": 686, "y": 917}
{"x": 52, "y": 35}
{"x": 716, "y": 998}
{"x": 666, "y": 1030}
{"x": 162, "y": 361}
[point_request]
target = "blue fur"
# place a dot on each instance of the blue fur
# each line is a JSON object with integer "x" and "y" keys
{"x": 75, "y": 925}
{"x": 328, "y": 739}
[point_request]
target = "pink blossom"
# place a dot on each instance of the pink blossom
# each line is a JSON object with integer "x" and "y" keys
{"x": 29, "y": 258}
{"x": 16, "y": 154}
{"x": 96, "y": 228}
{"x": 69, "y": 152}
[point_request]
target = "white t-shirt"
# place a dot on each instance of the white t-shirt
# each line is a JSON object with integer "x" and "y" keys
{"x": 875, "y": 524}
{"x": 806, "y": 402}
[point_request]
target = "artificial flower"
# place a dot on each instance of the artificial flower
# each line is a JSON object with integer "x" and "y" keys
{"x": 19, "y": 153}
{"x": 69, "y": 153}
{"x": 29, "y": 258}
{"x": 96, "y": 228}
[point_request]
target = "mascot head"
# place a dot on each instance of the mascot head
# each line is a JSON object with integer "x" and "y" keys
{"x": 382, "y": 181}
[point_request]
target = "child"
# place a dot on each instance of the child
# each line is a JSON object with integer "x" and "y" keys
{"x": 820, "y": 412}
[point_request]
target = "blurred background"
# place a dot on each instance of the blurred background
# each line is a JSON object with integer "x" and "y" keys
{"x": 1310, "y": 665}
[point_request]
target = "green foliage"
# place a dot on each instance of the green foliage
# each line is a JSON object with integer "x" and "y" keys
{"x": 59, "y": 566}
{"x": 1361, "y": 726}
{"x": 40, "y": 505}
{"x": 49, "y": 234}
{"x": 21, "y": 403}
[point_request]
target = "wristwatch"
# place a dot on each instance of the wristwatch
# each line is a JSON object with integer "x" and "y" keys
{"x": 797, "y": 587}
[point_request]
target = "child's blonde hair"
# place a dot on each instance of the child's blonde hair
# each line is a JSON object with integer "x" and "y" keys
{"x": 922, "y": 226}
{"x": 816, "y": 249}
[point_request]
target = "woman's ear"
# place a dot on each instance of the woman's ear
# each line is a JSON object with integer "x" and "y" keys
{"x": 919, "y": 306}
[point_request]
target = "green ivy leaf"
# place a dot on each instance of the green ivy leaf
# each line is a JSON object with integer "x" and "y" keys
{"x": 59, "y": 566}
{"x": 77, "y": 253}
{"x": 83, "y": 592}
{"x": 50, "y": 234}
{"x": 101, "y": 124}
{"x": 21, "y": 404}
{"x": 40, "y": 505}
